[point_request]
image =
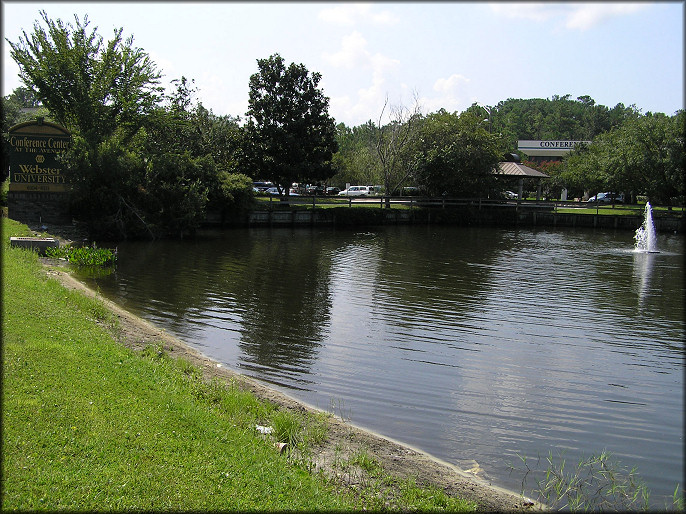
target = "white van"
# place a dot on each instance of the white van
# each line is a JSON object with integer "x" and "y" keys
{"x": 355, "y": 191}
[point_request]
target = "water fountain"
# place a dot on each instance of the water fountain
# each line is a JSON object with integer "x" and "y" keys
{"x": 646, "y": 238}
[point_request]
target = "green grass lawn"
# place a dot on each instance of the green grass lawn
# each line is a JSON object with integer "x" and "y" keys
{"x": 265, "y": 202}
{"x": 621, "y": 210}
{"x": 91, "y": 425}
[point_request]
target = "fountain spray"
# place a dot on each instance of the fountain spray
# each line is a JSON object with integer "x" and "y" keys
{"x": 646, "y": 238}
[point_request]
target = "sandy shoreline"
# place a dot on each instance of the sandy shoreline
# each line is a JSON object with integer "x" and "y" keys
{"x": 397, "y": 459}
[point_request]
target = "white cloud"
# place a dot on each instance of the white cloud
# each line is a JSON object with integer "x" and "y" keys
{"x": 366, "y": 103}
{"x": 527, "y": 11}
{"x": 449, "y": 94}
{"x": 586, "y": 16}
{"x": 366, "y": 66}
{"x": 573, "y": 16}
{"x": 354, "y": 55}
{"x": 164, "y": 66}
{"x": 212, "y": 92}
{"x": 353, "y": 13}
{"x": 451, "y": 84}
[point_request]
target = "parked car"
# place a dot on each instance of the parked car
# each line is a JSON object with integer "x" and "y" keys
{"x": 333, "y": 190}
{"x": 606, "y": 198}
{"x": 510, "y": 194}
{"x": 355, "y": 191}
{"x": 272, "y": 191}
{"x": 315, "y": 190}
{"x": 261, "y": 185}
{"x": 410, "y": 191}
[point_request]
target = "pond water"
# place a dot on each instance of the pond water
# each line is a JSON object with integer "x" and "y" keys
{"x": 478, "y": 344}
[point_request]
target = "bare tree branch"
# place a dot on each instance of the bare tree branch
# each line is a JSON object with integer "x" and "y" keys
{"x": 392, "y": 140}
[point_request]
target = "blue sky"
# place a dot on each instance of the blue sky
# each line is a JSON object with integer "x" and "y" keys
{"x": 446, "y": 54}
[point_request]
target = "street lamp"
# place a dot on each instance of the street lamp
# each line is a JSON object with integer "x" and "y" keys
{"x": 490, "y": 119}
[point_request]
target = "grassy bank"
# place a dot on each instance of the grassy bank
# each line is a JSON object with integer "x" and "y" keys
{"x": 89, "y": 424}
{"x": 622, "y": 210}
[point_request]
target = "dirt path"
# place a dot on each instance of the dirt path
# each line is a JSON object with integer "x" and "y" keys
{"x": 343, "y": 439}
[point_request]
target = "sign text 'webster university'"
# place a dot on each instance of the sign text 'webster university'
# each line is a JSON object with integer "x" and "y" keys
{"x": 40, "y": 186}
{"x": 34, "y": 161}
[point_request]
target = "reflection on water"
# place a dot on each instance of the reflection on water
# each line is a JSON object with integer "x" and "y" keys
{"x": 643, "y": 266}
{"x": 468, "y": 343}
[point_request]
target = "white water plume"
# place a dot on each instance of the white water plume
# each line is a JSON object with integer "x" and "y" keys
{"x": 646, "y": 238}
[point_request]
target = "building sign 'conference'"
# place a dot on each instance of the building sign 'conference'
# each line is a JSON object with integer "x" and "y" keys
{"x": 39, "y": 185}
{"x": 547, "y": 150}
{"x": 34, "y": 165}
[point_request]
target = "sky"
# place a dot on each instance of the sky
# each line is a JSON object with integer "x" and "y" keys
{"x": 442, "y": 54}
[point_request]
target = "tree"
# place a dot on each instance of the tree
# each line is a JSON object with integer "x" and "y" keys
{"x": 560, "y": 117}
{"x": 192, "y": 163}
{"x": 392, "y": 141}
{"x": 655, "y": 155}
{"x": 290, "y": 136}
{"x": 177, "y": 190}
{"x": 356, "y": 161}
{"x": 91, "y": 88}
{"x": 103, "y": 93}
{"x": 453, "y": 154}
{"x": 645, "y": 155}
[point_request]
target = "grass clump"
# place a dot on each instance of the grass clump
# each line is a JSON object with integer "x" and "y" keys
{"x": 381, "y": 491}
{"x": 365, "y": 461}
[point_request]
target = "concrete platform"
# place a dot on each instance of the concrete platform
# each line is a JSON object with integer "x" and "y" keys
{"x": 35, "y": 243}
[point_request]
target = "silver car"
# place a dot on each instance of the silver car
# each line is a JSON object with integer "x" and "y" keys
{"x": 355, "y": 191}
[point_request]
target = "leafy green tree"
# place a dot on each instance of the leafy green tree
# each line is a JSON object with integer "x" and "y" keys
{"x": 655, "y": 157}
{"x": 454, "y": 154}
{"x": 91, "y": 87}
{"x": 139, "y": 168}
{"x": 357, "y": 161}
{"x": 235, "y": 195}
{"x": 185, "y": 129}
{"x": 101, "y": 92}
{"x": 19, "y": 106}
{"x": 290, "y": 136}
{"x": 177, "y": 187}
{"x": 110, "y": 179}
{"x": 645, "y": 155}
{"x": 221, "y": 137}
{"x": 559, "y": 117}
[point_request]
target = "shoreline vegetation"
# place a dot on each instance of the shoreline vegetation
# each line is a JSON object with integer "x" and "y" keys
{"x": 102, "y": 410}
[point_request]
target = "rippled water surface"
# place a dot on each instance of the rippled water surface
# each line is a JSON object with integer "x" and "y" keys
{"x": 468, "y": 343}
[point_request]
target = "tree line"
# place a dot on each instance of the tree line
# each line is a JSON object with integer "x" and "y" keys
{"x": 146, "y": 161}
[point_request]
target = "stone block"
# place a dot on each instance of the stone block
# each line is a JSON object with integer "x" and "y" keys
{"x": 35, "y": 243}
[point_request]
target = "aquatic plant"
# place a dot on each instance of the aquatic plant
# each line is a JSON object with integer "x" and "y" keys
{"x": 84, "y": 256}
{"x": 597, "y": 483}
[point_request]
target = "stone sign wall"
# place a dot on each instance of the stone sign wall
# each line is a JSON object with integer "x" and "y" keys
{"x": 39, "y": 185}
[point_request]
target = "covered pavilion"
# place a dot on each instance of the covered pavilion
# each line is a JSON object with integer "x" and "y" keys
{"x": 516, "y": 169}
